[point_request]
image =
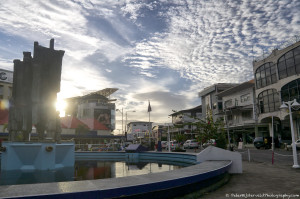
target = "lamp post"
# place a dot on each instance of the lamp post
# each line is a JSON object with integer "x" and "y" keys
{"x": 289, "y": 105}
{"x": 122, "y": 118}
{"x": 168, "y": 137}
{"x": 126, "y": 120}
{"x": 228, "y": 136}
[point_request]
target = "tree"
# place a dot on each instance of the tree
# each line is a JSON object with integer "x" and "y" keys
{"x": 209, "y": 129}
{"x": 180, "y": 138}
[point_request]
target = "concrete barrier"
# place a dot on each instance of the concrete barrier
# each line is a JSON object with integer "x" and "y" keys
{"x": 215, "y": 153}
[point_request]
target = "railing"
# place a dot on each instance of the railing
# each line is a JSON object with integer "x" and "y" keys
{"x": 280, "y": 46}
{"x": 98, "y": 147}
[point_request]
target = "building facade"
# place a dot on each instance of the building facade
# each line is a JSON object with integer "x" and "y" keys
{"x": 210, "y": 100}
{"x": 6, "y": 84}
{"x": 94, "y": 106}
{"x": 137, "y": 131}
{"x": 240, "y": 113}
{"x": 183, "y": 121}
{"x": 160, "y": 132}
{"x": 277, "y": 80}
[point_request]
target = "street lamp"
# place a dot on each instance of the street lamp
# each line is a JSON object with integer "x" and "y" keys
{"x": 227, "y": 125}
{"x": 126, "y": 120}
{"x": 289, "y": 105}
{"x": 169, "y": 139}
{"x": 122, "y": 118}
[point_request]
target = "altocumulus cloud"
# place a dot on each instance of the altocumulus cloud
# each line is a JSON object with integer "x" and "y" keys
{"x": 163, "y": 51}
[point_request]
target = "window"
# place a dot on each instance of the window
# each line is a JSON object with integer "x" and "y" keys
{"x": 1, "y": 90}
{"x": 268, "y": 101}
{"x": 289, "y": 63}
{"x": 246, "y": 115}
{"x": 265, "y": 75}
{"x": 86, "y": 112}
{"x": 245, "y": 98}
{"x": 291, "y": 91}
{"x": 220, "y": 105}
{"x": 228, "y": 103}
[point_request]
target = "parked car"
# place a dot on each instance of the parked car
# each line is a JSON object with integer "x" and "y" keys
{"x": 297, "y": 144}
{"x": 211, "y": 142}
{"x": 173, "y": 145}
{"x": 164, "y": 144}
{"x": 265, "y": 142}
{"x": 190, "y": 144}
{"x": 289, "y": 147}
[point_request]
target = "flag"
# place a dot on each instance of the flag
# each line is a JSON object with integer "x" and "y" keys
{"x": 149, "y": 107}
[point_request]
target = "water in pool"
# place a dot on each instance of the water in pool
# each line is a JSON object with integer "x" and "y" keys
{"x": 85, "y": 170}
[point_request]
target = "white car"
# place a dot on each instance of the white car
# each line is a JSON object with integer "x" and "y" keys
{"x": 211, "y": 142}
{"x": 190, "y": 144}
{"x": 289, "y": 147}
{"x": 173, "y": 145}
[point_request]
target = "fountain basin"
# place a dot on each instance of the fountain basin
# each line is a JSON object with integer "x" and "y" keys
{"x": 160, "y": 184}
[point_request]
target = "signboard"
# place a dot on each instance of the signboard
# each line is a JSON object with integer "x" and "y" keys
{"x": 103, "y": 116}
{"x": 130, "y": 136}
{"x": 6, "y": 76}
{"x": 241, "y": 145}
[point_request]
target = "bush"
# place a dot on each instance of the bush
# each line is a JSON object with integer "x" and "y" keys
{"x": 178, "y": 149}
{"x": 221, "y": 141}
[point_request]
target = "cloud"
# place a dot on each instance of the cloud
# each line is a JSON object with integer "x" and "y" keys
{"x": 212, "y": 42}
{"x": 163, "y": 51}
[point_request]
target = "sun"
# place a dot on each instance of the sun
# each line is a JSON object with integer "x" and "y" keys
{"x": 61, "y": 106}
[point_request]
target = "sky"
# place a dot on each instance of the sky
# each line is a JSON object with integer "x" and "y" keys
{"x": 163, "y": 51}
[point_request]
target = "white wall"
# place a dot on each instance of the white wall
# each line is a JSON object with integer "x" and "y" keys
{"x": 215, "y": 153}
{"x": 237, "y": 116}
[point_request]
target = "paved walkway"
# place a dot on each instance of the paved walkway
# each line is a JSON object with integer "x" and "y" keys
{"x": 261, "y": 180}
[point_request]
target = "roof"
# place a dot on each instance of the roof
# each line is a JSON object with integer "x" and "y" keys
{"x": 104, "y": 94}
{"x": 93, "y": 96}
{"x": 188, "y": 110}
{"x": 216, "y": 87}
{"x": 94, "y": 124}
{"x": 68, "y": 122}
{"x": 139, "y": 122}
{"x": 240, "y": 87}
{"x": 71, "y": 122}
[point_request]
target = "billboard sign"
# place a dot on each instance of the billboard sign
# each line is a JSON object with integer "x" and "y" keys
{"x": 6, "y": 76}
{"x": 103, "y": 116}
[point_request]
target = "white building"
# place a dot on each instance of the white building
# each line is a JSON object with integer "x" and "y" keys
{"x": 240, "y": 112}
{"x": 277, "y": 80}
{"x": 138, "y": 130}
{"x": 210, "y": 100}
{"x": 183, "y": 121}
{"x": 6, "y": 84}
{"x": 6, "y": 81}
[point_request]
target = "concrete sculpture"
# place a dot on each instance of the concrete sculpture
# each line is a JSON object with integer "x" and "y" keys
{"x": 35, "y": 86}
{"x": 36, "y": 82}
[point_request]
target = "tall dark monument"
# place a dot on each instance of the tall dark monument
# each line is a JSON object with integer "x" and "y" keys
{"x": 35, "y": 87}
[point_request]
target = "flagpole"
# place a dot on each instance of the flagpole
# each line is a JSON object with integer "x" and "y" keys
{"x": 149, "y": 131}
{"x": 149, "y": 128}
